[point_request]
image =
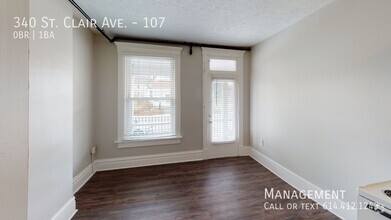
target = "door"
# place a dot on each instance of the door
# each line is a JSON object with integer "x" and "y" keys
{"x": 221, "y": 87}
{"x": 222, "y": 118}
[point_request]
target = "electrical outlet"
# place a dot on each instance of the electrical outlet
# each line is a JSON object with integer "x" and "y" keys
{"x": 261, "y": 142}
{"x": 93, "y": 150}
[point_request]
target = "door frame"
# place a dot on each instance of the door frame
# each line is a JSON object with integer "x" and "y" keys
{"x": 207, "y": 54}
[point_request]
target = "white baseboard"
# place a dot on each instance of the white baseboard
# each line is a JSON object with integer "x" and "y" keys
{"x": 139, "y": 161}
{"x": 80, "y": 179}
{"x": 147, "y": 160}
{"x": 67, "y": 211}
{"x": 301, "y": 184}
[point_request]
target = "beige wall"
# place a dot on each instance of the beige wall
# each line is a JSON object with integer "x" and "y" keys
{"x": 320, "y": 96}
{"x": 83, "y": 139}
{"x": 107, "y": 94}
{"x": 13, "y": 113}
{"x": 50, "y": 116}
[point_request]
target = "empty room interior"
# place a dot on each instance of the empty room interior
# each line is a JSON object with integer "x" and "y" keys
{"x": 207, "y": 110}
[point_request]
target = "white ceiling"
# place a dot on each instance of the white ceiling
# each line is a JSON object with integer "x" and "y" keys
{"x": 223, "y": 22}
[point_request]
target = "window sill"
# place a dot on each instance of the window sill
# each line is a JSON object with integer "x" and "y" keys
{"x": 149, "y": 142}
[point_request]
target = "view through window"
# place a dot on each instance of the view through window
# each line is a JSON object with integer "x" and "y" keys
{"x": 149, "y": 97}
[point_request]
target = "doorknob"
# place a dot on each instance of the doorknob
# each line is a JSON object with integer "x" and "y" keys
{"x": 210, "y": 122}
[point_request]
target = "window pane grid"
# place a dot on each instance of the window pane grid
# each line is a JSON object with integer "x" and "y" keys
{"x": 149, "y": 97}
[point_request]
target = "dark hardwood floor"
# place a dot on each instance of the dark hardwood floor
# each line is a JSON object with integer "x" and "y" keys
{"x": 229, "y": 188}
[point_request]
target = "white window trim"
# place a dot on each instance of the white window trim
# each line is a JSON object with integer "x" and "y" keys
{"x": 148, "y": 50}
{"x": 149, "y": 142}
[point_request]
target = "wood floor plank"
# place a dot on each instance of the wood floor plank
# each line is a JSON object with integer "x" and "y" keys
{"x": 227, "y": 188}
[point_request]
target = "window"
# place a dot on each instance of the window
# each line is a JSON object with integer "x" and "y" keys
{"x": 148, "y": 95}
{"x": 222, "y": 65}
{"x": 223, "y": 110}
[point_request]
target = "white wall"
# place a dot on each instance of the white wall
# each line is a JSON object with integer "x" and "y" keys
{"x": 105, "y": 103}
{"x": 83, "y": 96}
{"x": 13, "y": 113}
{"x": 321, "y": 95}
{"x": 51, "y": 115}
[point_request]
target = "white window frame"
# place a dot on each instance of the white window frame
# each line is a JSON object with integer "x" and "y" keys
{"x": 126, "y": 49}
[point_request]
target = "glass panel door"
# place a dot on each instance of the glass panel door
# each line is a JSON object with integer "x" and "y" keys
{"x": 223, "y": 111}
